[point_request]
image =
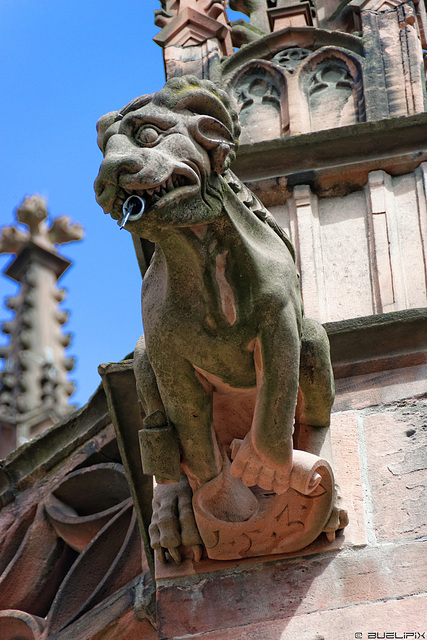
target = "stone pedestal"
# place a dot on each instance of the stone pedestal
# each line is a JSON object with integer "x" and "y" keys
{"x": 259, "y": 597}
{"x": 359, "y": 585}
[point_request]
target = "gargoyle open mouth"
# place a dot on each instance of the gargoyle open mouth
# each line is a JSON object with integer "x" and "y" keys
{"x": 176, "y": 187}
{"x": 173, "y": 183}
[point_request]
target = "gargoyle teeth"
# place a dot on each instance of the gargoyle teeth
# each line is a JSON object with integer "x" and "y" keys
{"x": 173, "y": 182}
{"x": 156, "y": 192}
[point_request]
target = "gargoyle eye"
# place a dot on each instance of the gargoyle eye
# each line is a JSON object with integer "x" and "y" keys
{"x": 147, "y": 135}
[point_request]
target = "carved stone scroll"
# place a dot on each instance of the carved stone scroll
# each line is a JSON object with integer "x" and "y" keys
{"x": 279, "y": 523}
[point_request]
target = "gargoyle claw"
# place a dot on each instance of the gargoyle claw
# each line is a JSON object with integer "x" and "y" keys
{"x": 338, "y": 519}
{"x": 197, "y": 552}
{"x": 174, "y": 552}
{"x": 173, "y": 524}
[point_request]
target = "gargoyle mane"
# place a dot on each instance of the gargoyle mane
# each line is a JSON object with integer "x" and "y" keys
{"x": 255, "y": 206}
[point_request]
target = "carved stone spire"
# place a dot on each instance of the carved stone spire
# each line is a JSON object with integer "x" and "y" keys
{"x": 195, "y": 35}
{"x": 34, "y": 386}
{"x": 268, "y": 16}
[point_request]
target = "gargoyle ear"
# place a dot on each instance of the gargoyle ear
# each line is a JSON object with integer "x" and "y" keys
{"x": 103, "y": 124}
{"x": 214, "y": 136}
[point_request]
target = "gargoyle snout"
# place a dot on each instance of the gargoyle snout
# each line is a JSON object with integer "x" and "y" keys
{"x": 115, "y": 171}
{"x": 115, "y": 165}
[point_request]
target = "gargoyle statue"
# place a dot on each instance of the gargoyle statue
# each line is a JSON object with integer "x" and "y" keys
{"x": 235, "y": 384}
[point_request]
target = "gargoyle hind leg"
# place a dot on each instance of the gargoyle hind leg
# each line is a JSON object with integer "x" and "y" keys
{"x": 188, "y": 406}
{"x": 173, "y": 522}
{"x": 315, "y": 400}
{"x": 316, "y": 381}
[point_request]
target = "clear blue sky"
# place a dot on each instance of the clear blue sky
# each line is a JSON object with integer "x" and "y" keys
{"x": 63, "y": 64}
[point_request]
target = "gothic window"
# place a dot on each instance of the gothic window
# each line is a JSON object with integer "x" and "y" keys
{"x": 258, "y": 93}
{"x": 332, "y": 95}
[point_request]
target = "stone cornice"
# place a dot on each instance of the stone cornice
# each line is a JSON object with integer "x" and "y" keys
{"x": 396, "y": 145}
{"x": 396, "y": 339}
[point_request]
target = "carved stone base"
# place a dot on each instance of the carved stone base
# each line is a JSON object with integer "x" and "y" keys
{"x": 277, "y": 523}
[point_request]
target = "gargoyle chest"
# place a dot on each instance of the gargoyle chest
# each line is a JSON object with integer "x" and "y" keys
{"x": 199, "y": 318}
{"x": 209, "y": 292}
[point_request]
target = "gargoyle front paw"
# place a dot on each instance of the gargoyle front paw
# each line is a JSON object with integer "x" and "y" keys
{"x": 254, "y": 469}
{"x": 338, "y": 519}
{"x": 173, "y": 524}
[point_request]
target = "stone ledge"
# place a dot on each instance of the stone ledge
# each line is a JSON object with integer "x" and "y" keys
{"x": 393, "y": 617}
{"x": 114, "y": 617}
{"x": 378, "y": 359}
{"x": 378, "y": 342}
{"x": 345, "y": 154}
{"x": 321, "y": 583}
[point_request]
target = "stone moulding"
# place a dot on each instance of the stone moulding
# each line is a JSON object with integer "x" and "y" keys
{"x": 390, "y": 341}
{"x": 68, "y": 547}
{"x": 306, "y": 37}
{"x": 400, "y": 143}
{"x": 328, "y": 60}
{"x": 295, "y": 91}
{"x": 261, "y": 116}
{"x": 34, "y": 460}
{"x": 119, "y": 383}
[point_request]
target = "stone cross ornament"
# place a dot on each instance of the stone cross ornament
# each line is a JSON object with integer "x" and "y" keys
{"x": 235, "y": 384}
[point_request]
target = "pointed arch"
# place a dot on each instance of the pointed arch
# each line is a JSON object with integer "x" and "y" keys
{"x": 331, "y": 86}
{"x": 260, "y": 91}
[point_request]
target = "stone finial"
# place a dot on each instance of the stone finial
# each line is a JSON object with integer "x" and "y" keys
{"x": 32, "y": 213}
{"x": 34, "y": 390}
{"x": 62, "y": 231}
{"x": 11, "y": 239}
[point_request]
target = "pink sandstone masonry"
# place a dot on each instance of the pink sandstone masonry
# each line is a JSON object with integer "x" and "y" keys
{"x": 331, "y": 98}
{"x": 365, "y": 583}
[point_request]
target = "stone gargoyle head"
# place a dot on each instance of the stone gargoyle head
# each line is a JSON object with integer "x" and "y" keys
{"x": 168, "y": 149}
